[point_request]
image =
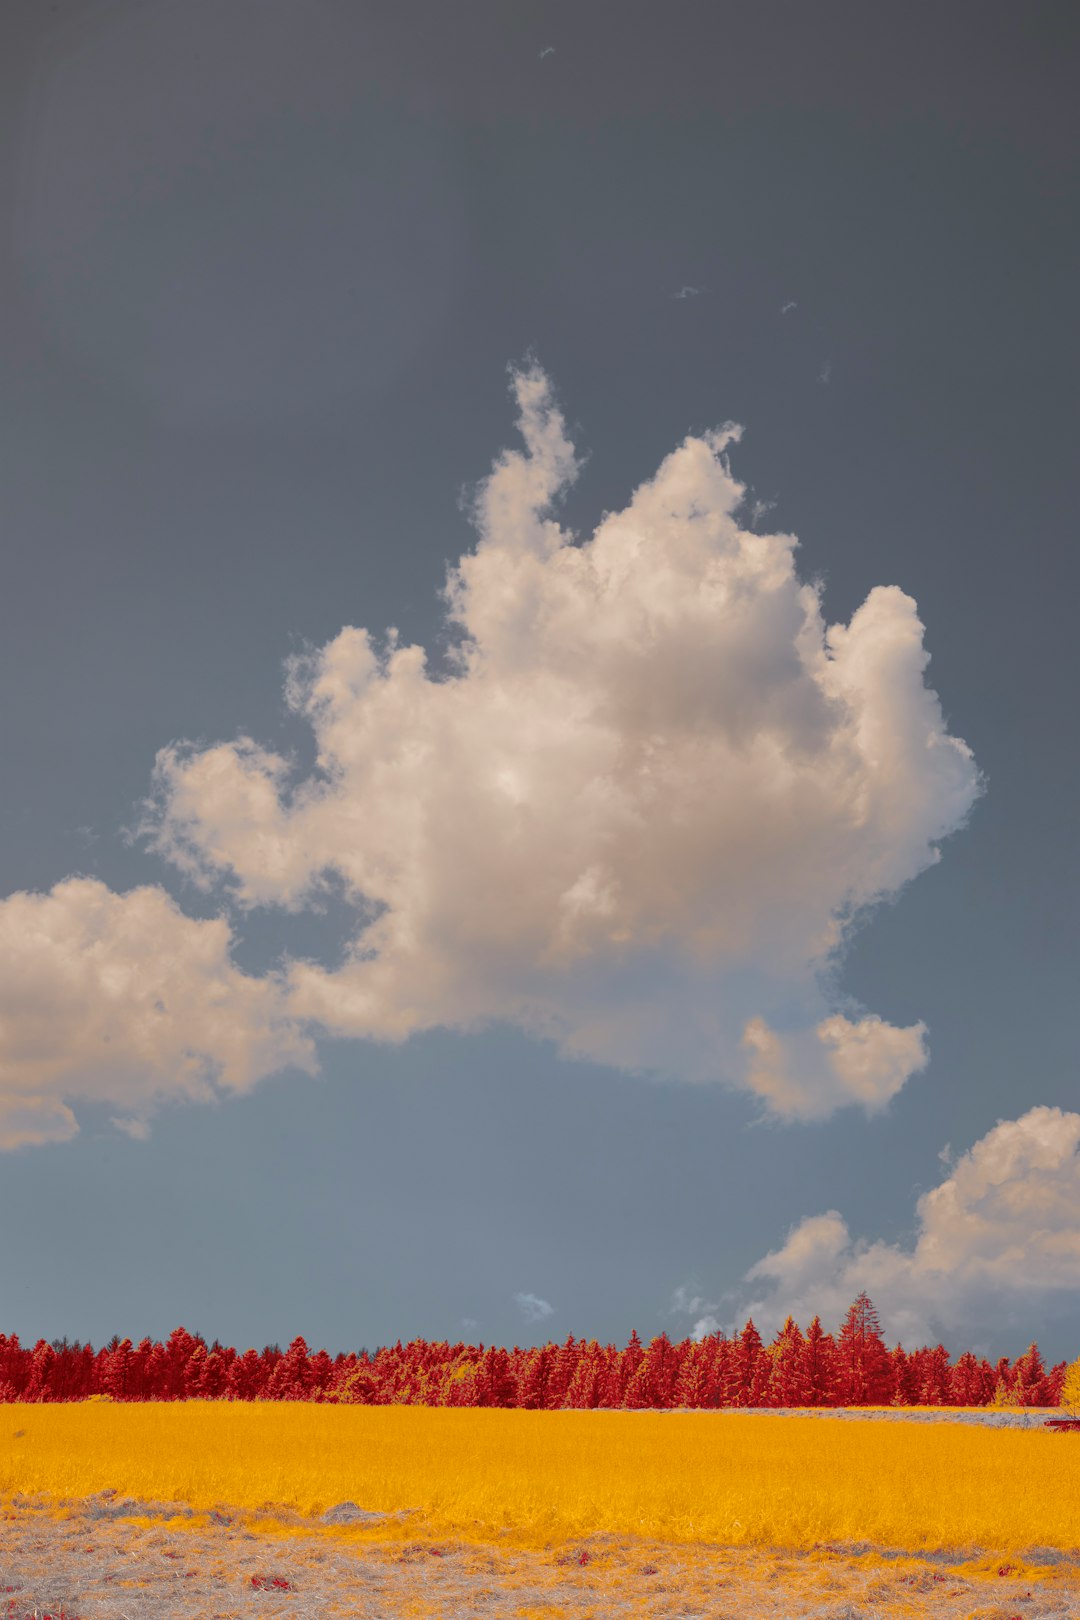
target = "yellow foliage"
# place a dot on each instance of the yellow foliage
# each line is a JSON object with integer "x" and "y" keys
{"x": 1070, "y": 1393}
{"x": 720, "y": 1477}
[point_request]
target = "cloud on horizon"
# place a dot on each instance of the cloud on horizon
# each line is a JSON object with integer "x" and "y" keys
{"x": 638, "y": 817}
{"x": 999, "y": 1234}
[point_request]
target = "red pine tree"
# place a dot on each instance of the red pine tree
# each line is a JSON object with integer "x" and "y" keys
{"x": 932, "y": 1377}
{"x": 787, "y": 1379}
{"x": 244, "y": 1379}
{"x": 748, "y": 1370}
{"x": 967, "y": 1386}
{"x": 902, "y": 1383}
{"x": 1029, "y": 1383}
{"x": 587, "y": 1386}
{"x": 118, "y": 1375}
{"x": 862, "y": 1361}
{"x": 41, "y": 1366}
{"x": 562, "y": 1373}
{"x": 818, "y": 1365}
{"x": 533, "y": 1382}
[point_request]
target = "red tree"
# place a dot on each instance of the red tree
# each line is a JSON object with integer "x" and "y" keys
{"x": 748, "y": 1370}
{"x": 1030, "y": 1384}
{"x": 787, "y": 1380}
{"x": 862, "y": 1361}
{"x": 818, "y": 1359}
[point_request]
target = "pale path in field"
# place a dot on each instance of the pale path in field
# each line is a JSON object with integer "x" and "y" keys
{"x": 96, "y": 1564}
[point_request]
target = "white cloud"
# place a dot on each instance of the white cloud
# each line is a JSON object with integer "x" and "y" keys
{"x": 809, "y": 1074}
{"x": 638, "y": 815}
{"x": 120, "y": 998}
{"x": 1000, "y": 1234}
{"x": 533, "y": 1308}
{"x": 32, "y": 1121}
{"x": 687, "y": 1302}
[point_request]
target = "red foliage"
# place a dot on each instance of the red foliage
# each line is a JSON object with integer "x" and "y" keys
{"x": 862, "y": 1367}
{"x": 796, "y": 1369}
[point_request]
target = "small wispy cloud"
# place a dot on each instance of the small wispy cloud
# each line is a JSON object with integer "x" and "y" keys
{"x": 533, "y": 1308}
{"x": 785, "y": 309}
{"x": 758, "y": 510}
{"x": 686, "y": 1302}
{"x": 548, "y": 50}
{"x": 137, "y": 1129}
{"x": 825, "y": 374}
{"x": 688, "y": 292}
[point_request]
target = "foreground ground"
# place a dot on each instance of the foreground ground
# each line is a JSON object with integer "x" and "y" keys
{"x": 217, "y": 1509}
{"x": 111, "y": 1559}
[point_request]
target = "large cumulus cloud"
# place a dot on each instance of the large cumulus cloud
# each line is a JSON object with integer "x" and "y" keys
{"x": 997, "y": 1238}
{"x": 638, "y": 813}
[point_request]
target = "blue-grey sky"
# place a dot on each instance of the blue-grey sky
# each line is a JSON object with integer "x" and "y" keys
{"x": 658, "y": 981}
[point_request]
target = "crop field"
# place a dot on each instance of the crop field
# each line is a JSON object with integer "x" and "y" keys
{"x": 473, "y": 1511}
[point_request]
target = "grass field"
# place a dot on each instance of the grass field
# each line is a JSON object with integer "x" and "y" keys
{"x": 533, "y": 1478}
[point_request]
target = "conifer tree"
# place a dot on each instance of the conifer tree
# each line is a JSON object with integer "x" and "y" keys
{"x": 290, "y": 1379}
{"x": 862, "y": 1361}
{"x": 638, "y": 1393}
{"x": 142, "y": 1369}
{"x": 933, "y": 1377}
{"x": 193, "y": 1372}
{"x": 630, "y": 1359}
{"x": 966, "y": 1384}
{"x": 1003, "y": 1380}
{"x": 611, "y": 1378}
{"x": 243, "y": 1381}
{"x": 901, "y": 1383}
{"x": 748, "y": 1369}
{"x": 818, "y": 1356}
{"x": 118, "y": 1377}
{"x": 692, "y": 1386}
{"x": 41, "y": 1366}
{"x": 532, "y": 1386}
{"x": 1029, "y": 1378}
{"x": 652, "y": 1384}
{"x": 178, "y": 1353}
{"x": 215, "y": 1374}
{"x": 787, "y": 1378}
{"x": 322, "y": 1371}
{"x": 1055, "y": 1379}
{"x": 562, "y": 1373}
{"x": 495, "y": 1384}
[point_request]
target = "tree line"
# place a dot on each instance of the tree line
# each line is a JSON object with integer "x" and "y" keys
{"x": 854, "y": 1367}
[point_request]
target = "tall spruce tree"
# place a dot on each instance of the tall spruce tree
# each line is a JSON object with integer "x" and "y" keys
{"x": 863, "y": 1373}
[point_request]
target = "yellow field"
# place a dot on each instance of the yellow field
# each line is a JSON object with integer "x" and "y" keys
{"x": 533, "y": 1477}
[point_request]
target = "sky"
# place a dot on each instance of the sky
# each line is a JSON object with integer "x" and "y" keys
{"x": 539, "y": 663}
